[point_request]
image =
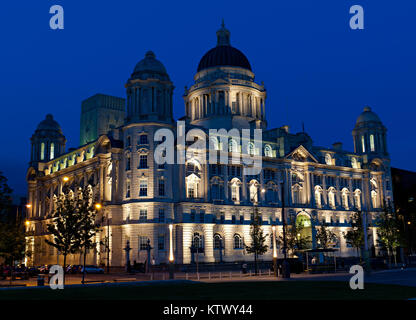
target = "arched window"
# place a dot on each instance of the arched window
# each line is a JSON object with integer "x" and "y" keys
{"x": 232, "y": 146}
{"x": 328, "y": 159}
{"x": 344, "y": 195}
{"x": 354, "y": 163}
{"x": 192, "y": 186}
{"x": 235, "y": 189}
{"x": 217, "y": 241}
{"x": 214, "y": 144}
{"x": 52, "y": 153}
{"x": 331, "y": 198}
{"x": 268, "y": 151}
{"x": 238, "y": 242}
{"x": 254, "y": 191}
{"x": 250, "y": 148}
{"x": 318, "y": 196}
{"x": 197, "y": 241}
{"x": 374, "y": 201}
{"x": 296, "y": 194}
{"x": 357, "y": 199}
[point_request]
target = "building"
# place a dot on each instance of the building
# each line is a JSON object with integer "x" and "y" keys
{"x": 208, "y": 205}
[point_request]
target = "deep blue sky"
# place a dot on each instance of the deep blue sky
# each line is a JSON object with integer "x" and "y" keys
{"x": 315, "y": 68}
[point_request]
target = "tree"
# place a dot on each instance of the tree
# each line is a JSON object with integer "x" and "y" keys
{"x": 89, "y": 228}
{"x": 295, "y": 238}
{"x": 355, "y": 236}
{"x": 66, "y": 225}
{"x": 389, "y": 232}
{"x": 257, "y": 246}
{"x": 12, "y": 231}
{"x": 324, "y": 236}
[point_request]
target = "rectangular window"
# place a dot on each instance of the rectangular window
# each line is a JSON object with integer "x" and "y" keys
{"x": 143, "y": 215}
{"x": 143, "y": 243}
{"x": 242, "y": 219}
{"x": 372, "y": 144}
{"x": 128, "y": 164}
{"x": 363, "y": 143}
{"x": 143, "y": 139}
{"x": 143, "y": 188}
{"x": 193, "y": 212}
{"x": 201, "y": 216}
{"x": 233, "y": 219}
{"x": 128, "y": 189}
{"x": 52, "y": 155}
{"x": 161, "y": 242}
{"x": 161, "y": 215}
{"x": 42, "y": 151}
{"x": 161, "y": 187}
{"x": 143, "y": 161}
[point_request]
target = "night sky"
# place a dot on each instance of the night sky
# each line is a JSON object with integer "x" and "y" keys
{"x": 315, "y": 68}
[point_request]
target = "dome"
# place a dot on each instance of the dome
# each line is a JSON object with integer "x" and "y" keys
{"x": 224, "y": 54}
{"x": 367, "y": 116}
{"x": 150, "y": 67}
{"x": 49, "y": 124}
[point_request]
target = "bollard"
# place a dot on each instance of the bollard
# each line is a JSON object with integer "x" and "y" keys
{"x": 209, "y": 275}
{"x": 220, "y": 275}
{"x": 241, "y": 273}
{"x": 197, "y": 274}
{"x": 260, "y": 272}
{"x": 151, "y": 276}
{"x": 230, "y": 275}
{"x": 249, "y": 273}
{"x": 270, "y": 273}
{"x": 186, "y": 275}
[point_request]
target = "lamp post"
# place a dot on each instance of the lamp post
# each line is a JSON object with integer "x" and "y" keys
{"x": 171, "y": 257}
{"x": 285, "y": 265}
{"x": 274, "y": 252}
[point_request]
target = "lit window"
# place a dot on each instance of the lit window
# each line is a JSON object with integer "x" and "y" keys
{"x": 238, "y": 242}
{"x": 143, "y": 215}
{"x": 374, "y": 201}
{"x": 345, "y": 203}
{"x": 52, "y": 153}
{"x": 357, "y": 199}
{"x": 363, "y": 143}
{"x": 372, "y": 145}
{"x": 331, "y": 198}
{"x": 253, "y": 193}
{"x": 268, "y": 151}
{"x": 42, "y": 151}
{"x": 143, "y": 188}
{"x": 318, "y": 197}
{"x": 328, "y": 159}
{"x": 143, "y": 161}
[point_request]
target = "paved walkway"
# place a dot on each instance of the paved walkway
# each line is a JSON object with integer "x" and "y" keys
{"x": 400, "y": 277}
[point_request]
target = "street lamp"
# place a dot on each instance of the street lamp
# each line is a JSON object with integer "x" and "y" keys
{"x": 65, "y": 179}
{"x": 274, "y": 251}
{"x": 171, "y": 257}
{"x": 285, "y": 265}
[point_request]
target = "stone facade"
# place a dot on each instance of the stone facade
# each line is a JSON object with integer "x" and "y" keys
{"x": 209, "y": 205}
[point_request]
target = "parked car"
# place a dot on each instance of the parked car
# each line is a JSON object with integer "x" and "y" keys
{"x": 75, "y": 268}
{"x": 92, "y": 269}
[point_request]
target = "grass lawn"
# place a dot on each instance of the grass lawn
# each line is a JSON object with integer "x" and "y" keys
{"x": 282, "y": 290}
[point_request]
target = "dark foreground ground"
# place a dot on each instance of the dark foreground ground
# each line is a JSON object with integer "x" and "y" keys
{"x": 186, "y": 290}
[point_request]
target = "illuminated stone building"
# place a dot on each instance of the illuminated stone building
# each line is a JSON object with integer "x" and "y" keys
{"x": 209, "y": 205}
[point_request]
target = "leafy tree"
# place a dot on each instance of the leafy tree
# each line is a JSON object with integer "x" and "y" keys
{"x": 66, "y": 225}
{"x": 257, "y": 246}
{"x": 295, "y": 238}
{"x": 324, "y": 236}
{"x": 355, "y": 236}
{"x": 88, "y": 228}
{"x": 389, "y": 232}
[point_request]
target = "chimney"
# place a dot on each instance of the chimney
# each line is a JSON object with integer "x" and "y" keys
{"x": 337, "y": 146}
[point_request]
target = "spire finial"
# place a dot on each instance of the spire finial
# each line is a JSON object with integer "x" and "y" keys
{"x": 223, "y": 35}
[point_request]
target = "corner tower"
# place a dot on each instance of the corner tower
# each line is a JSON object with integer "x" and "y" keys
{"x": 48, "y": 141}
{"x": 224, "y": 94}
{"x": 149, "y": 92}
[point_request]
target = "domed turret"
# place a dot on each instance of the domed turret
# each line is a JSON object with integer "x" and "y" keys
{"x": 370, "y": 134}
{"x": 224, "y": 54}
{"x": 150, "y": 67}
{"x": 149, "y": 92}
{"x": 48, "y": 141}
